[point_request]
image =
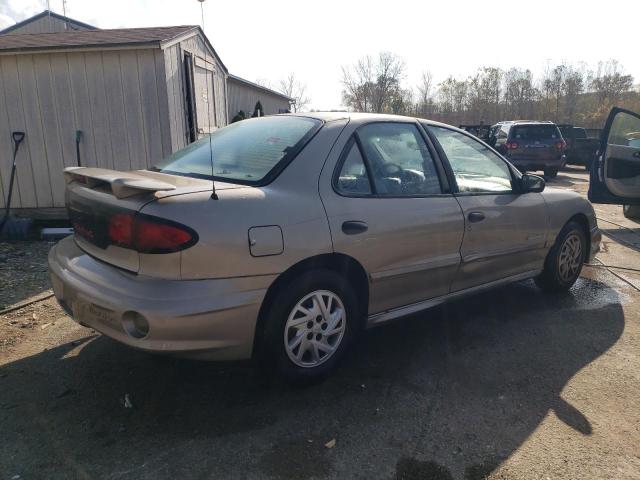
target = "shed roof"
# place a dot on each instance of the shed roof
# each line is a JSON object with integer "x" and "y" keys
{"x": 47, "y": 13}
{"x": 257, "y": 86}
{"x": 93, "y": 38}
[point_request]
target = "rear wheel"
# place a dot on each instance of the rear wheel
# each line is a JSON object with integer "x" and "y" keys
{"x": 551, "y": 172}
{"x": 631, "y": 211}
{"x": 565, "y": 259}
{"x": 310, "y": 325}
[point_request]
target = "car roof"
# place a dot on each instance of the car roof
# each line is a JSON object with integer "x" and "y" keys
{"x": 368, "y": 117}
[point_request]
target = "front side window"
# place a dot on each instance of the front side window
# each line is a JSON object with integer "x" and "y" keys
{"x": 399, "y": 160}
{"x": 245, "y": 151}
{"x": 476, "y": 168}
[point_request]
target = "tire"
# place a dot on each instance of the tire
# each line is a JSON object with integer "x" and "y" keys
{"x": 551, "y": 172}
{"x": 563, "y": 263}
{"x": 631, "y": 211}
{"x": 306, "y": 291}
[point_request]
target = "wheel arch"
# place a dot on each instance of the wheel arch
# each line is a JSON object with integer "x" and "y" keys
{"x": 340, "y": 263}
{"x": 582, "y": 220}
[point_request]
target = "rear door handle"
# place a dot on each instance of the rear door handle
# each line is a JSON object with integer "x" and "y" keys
{"x": 475, "y": 217}
{"x": 636, "y": 154}
{"x": 353, "y": 227}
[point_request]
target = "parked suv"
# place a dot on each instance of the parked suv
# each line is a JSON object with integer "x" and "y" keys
{"x": 530, "y": 145}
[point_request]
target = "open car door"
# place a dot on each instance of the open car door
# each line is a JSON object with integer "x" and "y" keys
{"x": 615, "y": 175}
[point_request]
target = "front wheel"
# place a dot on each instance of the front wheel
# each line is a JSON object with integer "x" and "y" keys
{"x": 310, "y": 324}
{"x": 565, "y": 259}
{"x": 551, "y": 172}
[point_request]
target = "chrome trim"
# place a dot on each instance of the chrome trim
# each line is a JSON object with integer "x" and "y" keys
{"x": 382, "y": 317}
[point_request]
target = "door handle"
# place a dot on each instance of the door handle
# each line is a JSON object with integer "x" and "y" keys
{"x": 475, "y": 217}
{"x": 353, "y": 227}
{"x": 636, "y": 154}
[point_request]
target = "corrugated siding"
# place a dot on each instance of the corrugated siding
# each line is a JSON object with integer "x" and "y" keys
{"x": 45, "y": 25}
{"x": 118, "y": 99}
{"x": 241, "y": 96}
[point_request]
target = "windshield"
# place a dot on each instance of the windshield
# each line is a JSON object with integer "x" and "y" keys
{"x": 245, "y": 151}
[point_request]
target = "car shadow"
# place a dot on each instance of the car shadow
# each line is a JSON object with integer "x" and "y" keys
{"x": 449, "y": 393}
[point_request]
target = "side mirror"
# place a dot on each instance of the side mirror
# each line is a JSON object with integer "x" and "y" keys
{"x": 531, "y": 183}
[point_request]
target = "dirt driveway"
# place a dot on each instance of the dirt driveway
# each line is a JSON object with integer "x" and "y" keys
{"x": 510, "y": 384}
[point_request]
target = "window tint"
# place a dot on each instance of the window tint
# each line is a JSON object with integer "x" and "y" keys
{"x": 579, "y": 132}
{"x": 535, "y": 132}
{"x": 399, "y": 159}
{"x": 246, "y": 151}
{"x": 625, "y": 130}
{"x": 475, "y": 167}
{"x": 353, "y": 178}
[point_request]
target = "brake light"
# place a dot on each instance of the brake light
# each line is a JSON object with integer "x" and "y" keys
{"x": 512, "y": 145}
{"x": 148, "y": 234}
{"x": 561, "y": 145}
{"x": 121, "y": 229}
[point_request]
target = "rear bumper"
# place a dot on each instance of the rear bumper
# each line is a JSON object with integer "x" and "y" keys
{"x": 534, "y": 164}
{"x": 210, "y": 319}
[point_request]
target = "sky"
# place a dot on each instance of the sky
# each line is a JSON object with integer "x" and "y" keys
{"x": 270, "y": 39}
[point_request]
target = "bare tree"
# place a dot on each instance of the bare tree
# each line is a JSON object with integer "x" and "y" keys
{"x": 519, "y": 93}
{"x": 424, "y": 106}
{"x": 295, "y": 90}
{"x": 374, "y": 85}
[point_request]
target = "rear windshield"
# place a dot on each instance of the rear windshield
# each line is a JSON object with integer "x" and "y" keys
{"x": 535, "y": 132}
{"x": 243, "y": 152}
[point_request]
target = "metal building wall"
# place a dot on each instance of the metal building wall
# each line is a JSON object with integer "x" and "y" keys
{"x": 118, "y": 99}
{"x": 243, "y": 96}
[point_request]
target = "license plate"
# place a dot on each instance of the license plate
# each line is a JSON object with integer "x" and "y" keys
{"x": 91, "y": 313}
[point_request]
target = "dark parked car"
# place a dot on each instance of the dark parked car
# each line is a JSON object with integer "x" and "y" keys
{"x": 530, "y": 145}
{"x": 580, "y": 148}
{"x": 480, "y": 130}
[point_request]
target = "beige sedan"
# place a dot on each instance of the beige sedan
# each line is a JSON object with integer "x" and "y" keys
{"x": 281, "y": 238}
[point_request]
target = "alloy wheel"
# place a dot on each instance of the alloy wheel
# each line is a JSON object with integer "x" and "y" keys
{"x": 570, "y": 258}
{"x": 315, "y": 328}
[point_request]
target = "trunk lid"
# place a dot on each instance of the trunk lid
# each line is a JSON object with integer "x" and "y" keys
{"x": 95, "y": 195}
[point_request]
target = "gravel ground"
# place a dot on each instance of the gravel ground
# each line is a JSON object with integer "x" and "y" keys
{"x": 509, "y": 384}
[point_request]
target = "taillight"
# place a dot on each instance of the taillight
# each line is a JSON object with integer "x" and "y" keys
{"x": 561, "y": 145}
{"x": 148, "y": 234}
{"x": 512, "y": 145}
{"x": 121, "y": 229}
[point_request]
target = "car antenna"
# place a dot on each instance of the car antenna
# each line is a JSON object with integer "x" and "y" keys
{"x": 214, "y": 195}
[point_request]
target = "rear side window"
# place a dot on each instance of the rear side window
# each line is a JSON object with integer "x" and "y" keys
{"x": 535, "y": 132}
{"x": 244, "y": 152}
{"x": 353, "y": 178}
{"x": 399, "y": 160}
{"x": 580, "y": 133}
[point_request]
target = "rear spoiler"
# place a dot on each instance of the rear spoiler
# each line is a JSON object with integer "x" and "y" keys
{"x": 123, "y": 184}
